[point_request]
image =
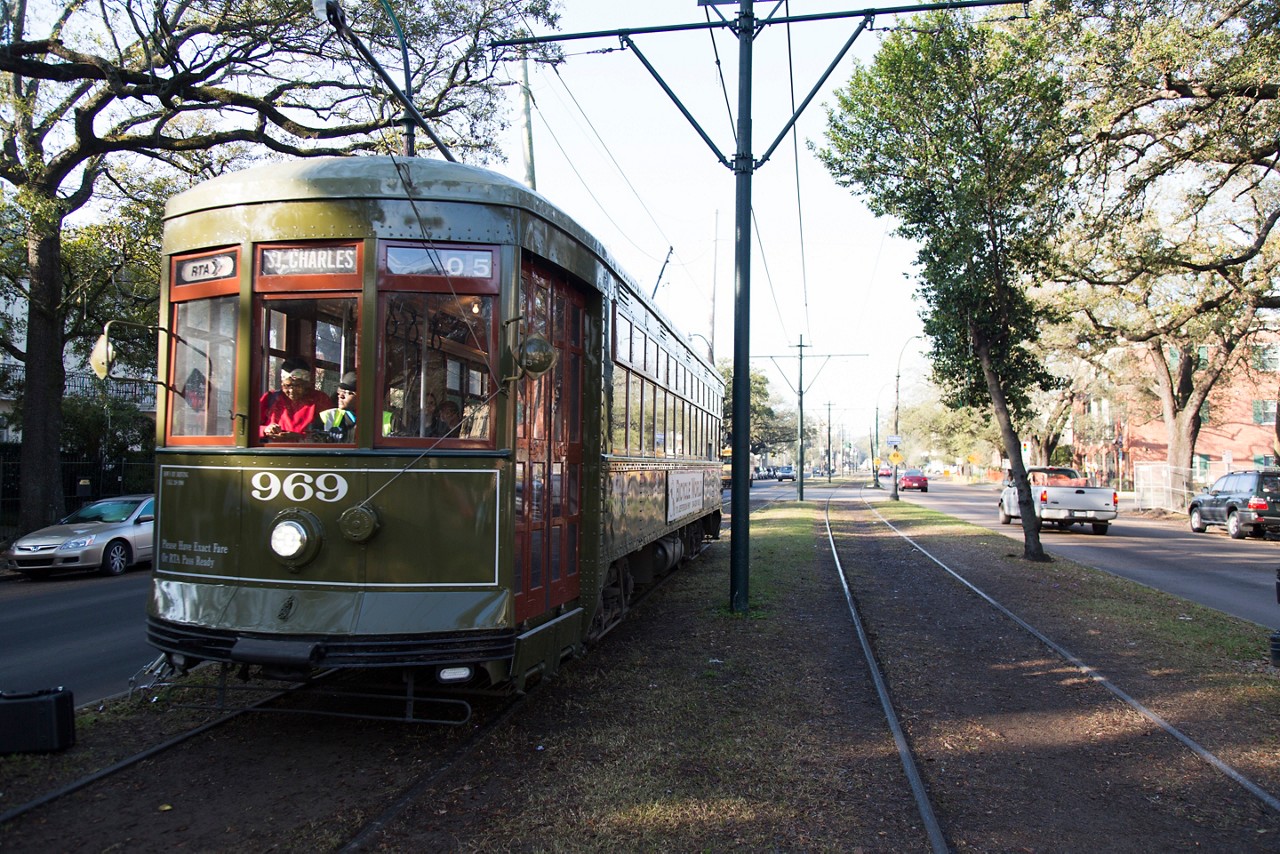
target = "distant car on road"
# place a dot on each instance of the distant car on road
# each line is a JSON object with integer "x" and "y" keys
{"x": 1244, "y": 502}
{"x": 108, "y": 535}
{"x": 787, "y": 473}
{"x": 913, "y": 479}
{"x": 885, "y": 471}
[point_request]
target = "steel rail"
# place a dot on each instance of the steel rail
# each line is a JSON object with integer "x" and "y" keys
{"x": 1231, "y": 773}
{"x": 937, "y": 840}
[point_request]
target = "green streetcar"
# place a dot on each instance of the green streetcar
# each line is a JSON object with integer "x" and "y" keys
{"x": 415, "y": 417}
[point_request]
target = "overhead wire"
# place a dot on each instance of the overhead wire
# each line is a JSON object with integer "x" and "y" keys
{"x": 587, "y": 186}
{"x": 573, "y": 98}
{"x": 795, "y": 145}
{"x": 681, "y": 262}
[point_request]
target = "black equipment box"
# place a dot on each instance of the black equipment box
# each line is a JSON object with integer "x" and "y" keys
{"x": 37, "y": 721}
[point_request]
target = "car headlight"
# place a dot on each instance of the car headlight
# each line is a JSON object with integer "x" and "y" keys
{"x": 77, "y": 543}
{"x": 288, "y": 539}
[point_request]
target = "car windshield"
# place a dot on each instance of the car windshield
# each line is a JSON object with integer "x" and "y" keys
{"x": 913, "y": 473}
{"x": 104, "y": 511}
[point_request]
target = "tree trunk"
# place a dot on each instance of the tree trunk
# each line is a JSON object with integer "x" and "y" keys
{"x": 40, "y": 489}
{"x": 1181, "y": 433}
{"x": 1031, "y": 547}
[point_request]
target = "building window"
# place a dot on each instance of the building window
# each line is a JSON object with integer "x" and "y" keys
{"x": 1266, "y": 357}
{"x": 1264, "y": 412}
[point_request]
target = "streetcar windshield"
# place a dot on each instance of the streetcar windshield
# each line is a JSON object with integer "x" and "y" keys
{"x": 437, "y": 381}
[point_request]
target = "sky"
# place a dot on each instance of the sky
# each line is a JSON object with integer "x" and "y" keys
{"x": 613, "y": 151}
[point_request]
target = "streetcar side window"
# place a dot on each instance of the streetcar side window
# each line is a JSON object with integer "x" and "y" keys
{"x": 203, "y": 320}
{"x": 202, "y": 368}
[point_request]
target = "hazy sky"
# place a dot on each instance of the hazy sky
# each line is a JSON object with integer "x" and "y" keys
{"x": 613, "y": 151}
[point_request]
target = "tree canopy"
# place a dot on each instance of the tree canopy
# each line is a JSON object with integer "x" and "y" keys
{"x": 956, "y": 130}
{"x": 88, "y": 91}
{"x": 1172, "y": 249}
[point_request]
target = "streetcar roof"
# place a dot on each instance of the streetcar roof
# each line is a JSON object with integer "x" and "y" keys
{"x": 368, "y": 177}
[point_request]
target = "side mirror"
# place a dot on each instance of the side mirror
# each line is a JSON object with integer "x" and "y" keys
{"x": 535, "y": 355}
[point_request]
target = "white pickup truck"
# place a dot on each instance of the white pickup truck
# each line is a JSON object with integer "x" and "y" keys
{"x": 1064, "y": 498}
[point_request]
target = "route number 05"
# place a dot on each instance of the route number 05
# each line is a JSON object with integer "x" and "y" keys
{"x": 299, "y": 486}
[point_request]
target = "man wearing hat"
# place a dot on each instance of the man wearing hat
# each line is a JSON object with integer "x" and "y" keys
{"x": 341, "y": 420}
{"x": 289, "y": 414}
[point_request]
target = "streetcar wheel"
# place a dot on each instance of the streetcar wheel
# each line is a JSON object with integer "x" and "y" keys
{"x": 115, "y": 559}
{"x": 1234, "y": 528}
{"x": 1197, "y": 521}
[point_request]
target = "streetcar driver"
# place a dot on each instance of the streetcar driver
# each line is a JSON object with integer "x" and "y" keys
{"x": 339, "y": 423}
{"x": 288, "y": 414}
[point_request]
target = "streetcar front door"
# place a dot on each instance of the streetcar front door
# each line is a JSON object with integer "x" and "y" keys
{"x": 548, "y": 467}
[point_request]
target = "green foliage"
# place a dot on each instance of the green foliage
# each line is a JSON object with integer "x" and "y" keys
{"x": 100, "y": 427}
{"x": 956, "y": 432}
{"x": 772, "y": 428}
{"x": 956, "y": 131}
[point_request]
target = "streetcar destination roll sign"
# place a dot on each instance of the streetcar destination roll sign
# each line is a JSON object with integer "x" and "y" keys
{"x": 308, "y": 261}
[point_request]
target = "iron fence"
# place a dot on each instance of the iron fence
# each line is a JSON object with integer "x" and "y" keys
{"x": 82, "y": 481}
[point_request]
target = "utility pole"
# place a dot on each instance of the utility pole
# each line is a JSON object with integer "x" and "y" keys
{"x": 739, "y": 498}
{"x": 799, "y": 390}
{"x": 828, "y": 441}
{"x": 530, "y": 174}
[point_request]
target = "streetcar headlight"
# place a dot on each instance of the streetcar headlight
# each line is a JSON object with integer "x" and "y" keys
{"x": 288, "y": 539}
{"x": 294, "y": 537}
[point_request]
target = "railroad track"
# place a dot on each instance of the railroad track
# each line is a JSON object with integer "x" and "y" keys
{"x": 1016, "y": 737}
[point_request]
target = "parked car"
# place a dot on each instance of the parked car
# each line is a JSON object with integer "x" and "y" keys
{"x": 1244, "y": 502}
{"x": 913, "y": 479}
{"x": 108, "y": 535}
{"x": 787, "y": 473}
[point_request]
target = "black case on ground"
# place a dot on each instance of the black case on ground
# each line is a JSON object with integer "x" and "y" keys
{"x": 37, "y": 721}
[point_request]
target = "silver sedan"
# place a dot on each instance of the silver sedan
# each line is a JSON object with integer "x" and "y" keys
{"x": 109, "y": 535}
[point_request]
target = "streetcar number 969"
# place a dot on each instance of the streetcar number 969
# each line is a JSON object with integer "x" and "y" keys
{"x": 299, "y": 486}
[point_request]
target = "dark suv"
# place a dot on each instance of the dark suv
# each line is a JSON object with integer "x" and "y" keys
{"x": 1245, "y": 502}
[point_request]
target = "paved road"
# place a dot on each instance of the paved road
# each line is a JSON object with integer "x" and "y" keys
{"x": 85, "y": 633}
{"x": 1235, "y": 576}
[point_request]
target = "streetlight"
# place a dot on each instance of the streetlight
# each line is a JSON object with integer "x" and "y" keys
{"x": 711, "y": 348}
{"x": 897, "y": 381}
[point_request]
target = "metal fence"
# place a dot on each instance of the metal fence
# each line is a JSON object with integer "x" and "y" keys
{"x": 1156, "y": 487}
{"x": 82, "y": 481}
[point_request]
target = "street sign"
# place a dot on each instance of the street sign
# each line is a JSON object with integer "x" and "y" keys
{"x": 896, "y": 458}
{"x": 893, "y": 441}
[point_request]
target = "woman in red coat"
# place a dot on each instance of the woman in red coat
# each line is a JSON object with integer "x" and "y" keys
{"x": 289, "y": 414}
